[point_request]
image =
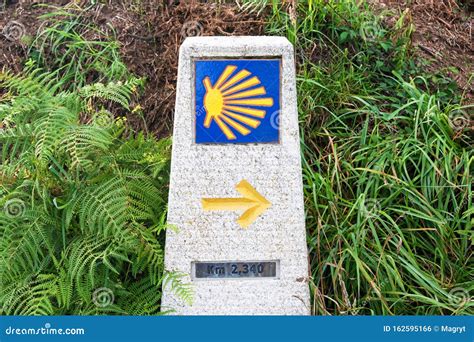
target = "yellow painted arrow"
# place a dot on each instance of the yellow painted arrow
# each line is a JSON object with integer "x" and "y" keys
{"x": 252, "y": 202}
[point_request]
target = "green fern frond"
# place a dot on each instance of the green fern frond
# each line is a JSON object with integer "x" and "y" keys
{"x": 174, "y": 280}
{"x": 149, "y": 256}
{"x": 64, "y": 289}
{"x": 22, "y": 86}
{"x": 83, "y": 260}
{"x": 103, "y": 207}
{"x": 83, "y": 142}
{"x": 15, "y": 142}
{"x": 51, "y": 129}
{"x": 91, "y": 195}
{"x": 26, "y": 240}
{"x": 143, "y": 196}
{"x": 32, "y": 298}
{"x": 118, "y": 92}
{"x": 19, "y": 132}
{"x": 142, "y": 298}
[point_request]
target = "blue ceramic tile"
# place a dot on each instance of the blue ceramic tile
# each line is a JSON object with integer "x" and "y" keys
{"x": 237, "y": 101}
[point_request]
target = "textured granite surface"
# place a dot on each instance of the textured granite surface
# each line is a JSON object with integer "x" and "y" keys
{"x": 199, "y": 171}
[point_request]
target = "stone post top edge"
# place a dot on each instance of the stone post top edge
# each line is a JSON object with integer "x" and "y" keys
{"x": 236, "y": 41}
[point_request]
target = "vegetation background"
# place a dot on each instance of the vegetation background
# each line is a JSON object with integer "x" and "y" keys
{"x": 386, "y": 112}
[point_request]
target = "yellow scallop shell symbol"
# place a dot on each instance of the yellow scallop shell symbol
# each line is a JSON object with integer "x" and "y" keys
{"x": 234, "y": 102}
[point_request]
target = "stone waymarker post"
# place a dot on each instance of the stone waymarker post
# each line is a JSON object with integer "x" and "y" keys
{"x": 236, "y": 193}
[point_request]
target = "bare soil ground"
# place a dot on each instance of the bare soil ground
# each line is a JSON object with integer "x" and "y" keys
{"x": 443, "y": 36}
{"x": 150, "y": 33}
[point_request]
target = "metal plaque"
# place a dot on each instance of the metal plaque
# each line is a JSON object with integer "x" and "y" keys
{"x": 236, "y": 269}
